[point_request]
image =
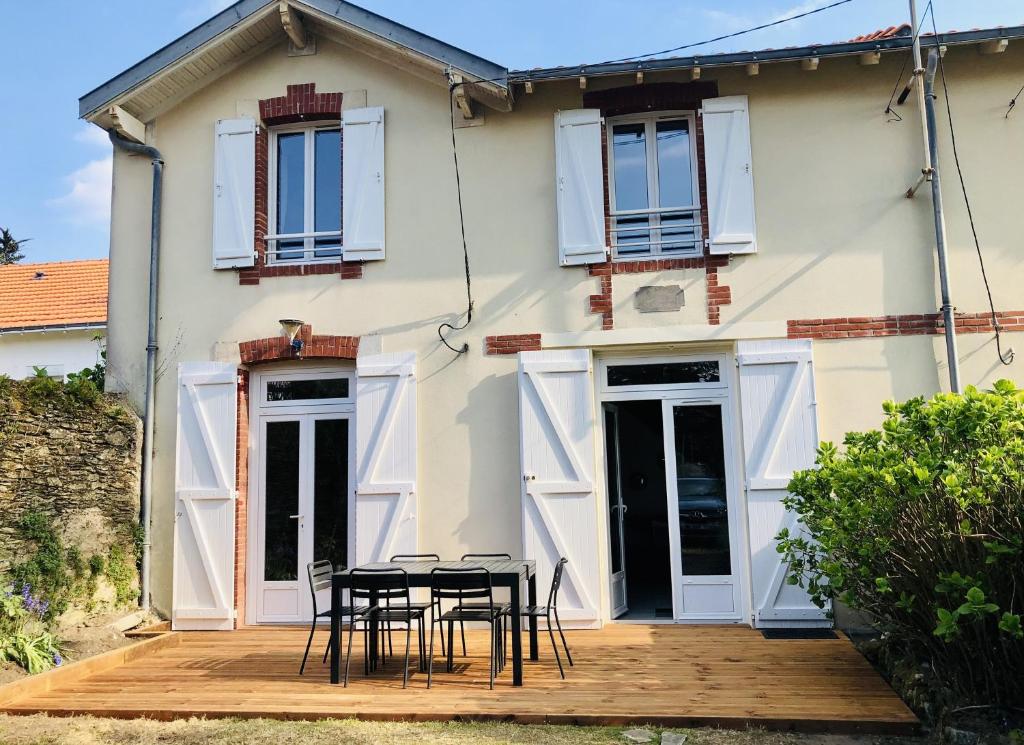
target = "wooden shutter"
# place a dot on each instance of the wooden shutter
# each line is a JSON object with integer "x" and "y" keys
{"x": 556, "y": 426}
{"x": 385, "y": 456}
{"x": 362, "y": 189}
{"x": 730, "y": 181}
{"x": 780, "y": 436}
{"x": 580, "y": 187}
{"x": 234, "y": 194}
{"x": 204, "y": 495}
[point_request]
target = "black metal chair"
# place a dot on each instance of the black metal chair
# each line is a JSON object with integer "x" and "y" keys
{"x": 455, "y": 585}
{"x": 506, "y": 607}
{"x": 546, "y": 611}
{"x": 384, "y": 585}
{"x": 320, "y": 579}
{"x": 421, "y": 606}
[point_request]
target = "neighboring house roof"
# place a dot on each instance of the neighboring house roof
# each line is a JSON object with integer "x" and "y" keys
{"x": 252, "y": 24}
{"x": 884, "y": 33}
{"x": 59, "y": 295}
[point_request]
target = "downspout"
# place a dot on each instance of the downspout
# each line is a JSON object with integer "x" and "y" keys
{"x": 145, "y": 509}
{"x": 940, "y": 223}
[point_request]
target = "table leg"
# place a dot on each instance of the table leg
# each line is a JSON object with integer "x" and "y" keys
{"x": 517, "y": 635}
{"x": 372, "y": 631}
{"x": 532, "y": 594}
{"x": 335, "y": 632}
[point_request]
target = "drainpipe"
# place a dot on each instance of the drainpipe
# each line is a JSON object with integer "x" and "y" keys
{"x": 940, "y": 223}
{"x": 147, "y": 422}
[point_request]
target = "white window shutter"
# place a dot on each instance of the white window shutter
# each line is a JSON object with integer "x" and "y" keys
{"x": 727, "y": 163}
{"x": 234, "y": 194}
{"x": 579, "y": 173}
{"x": 780, "y": 436}
{"x": 556, "y": 429}
{"x": 204, "y": 497}
{"x": 362, "y": 184}
{"x": 385, "y": 456}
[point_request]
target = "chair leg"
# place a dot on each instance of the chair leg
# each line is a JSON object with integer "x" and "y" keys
{"x": 309, "y": 641}
{"x": 462, "y": 630}
{"x": 451, "y": 647}
{"x": 408, "y": 639}
{"x": 558, "y": 623}
{"x": 492, "y": 656}
{"x": 327, "y": 649}
{"x": 430, "y": 656}
{"x": 551, "y": 633}
{"x": 348, "y": 657}
{"x": 442, "y": 625}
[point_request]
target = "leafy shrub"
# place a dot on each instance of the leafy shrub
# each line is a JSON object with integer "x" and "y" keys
{"x": 921, "y": 525}
{"x": 25, "y": 638}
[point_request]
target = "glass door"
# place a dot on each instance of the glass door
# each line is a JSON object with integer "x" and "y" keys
{"x": 616, "y": 511}
{"x": 702, "y": 508}
{"x": 304, "y": 496}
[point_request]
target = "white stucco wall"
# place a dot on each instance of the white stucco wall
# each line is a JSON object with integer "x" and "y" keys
{"x": 836, "y": 238}
{"x": 64, "y": 351}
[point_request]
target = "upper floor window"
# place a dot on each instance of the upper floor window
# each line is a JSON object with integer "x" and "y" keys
{"x": 305, "y": 195}
{"x": 655, "y": 200}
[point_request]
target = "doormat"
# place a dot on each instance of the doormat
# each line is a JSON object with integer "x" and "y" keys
{"x": 798, "y": 634}
{"x": 663, "y": 613}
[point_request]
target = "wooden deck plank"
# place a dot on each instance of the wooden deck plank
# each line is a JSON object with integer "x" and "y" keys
{"x": 624, "y": 674}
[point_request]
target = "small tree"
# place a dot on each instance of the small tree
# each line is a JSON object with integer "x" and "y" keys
{"x": 921, "y": 525}
{"x": 10, "y": 247}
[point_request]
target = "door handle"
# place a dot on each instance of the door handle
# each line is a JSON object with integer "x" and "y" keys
{"x": 294, "y": 517}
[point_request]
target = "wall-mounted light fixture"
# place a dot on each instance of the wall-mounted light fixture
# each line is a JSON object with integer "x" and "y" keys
{"x": 291, "y": 328}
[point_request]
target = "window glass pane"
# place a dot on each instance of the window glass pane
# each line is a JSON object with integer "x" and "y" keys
{"x": 330, "y": 488}
{"x": 664, "y": 373}
{"x": 281, "y": 531}
{"x": 629, "y": 154}
{"x": 304, "y": 390}
{"x": 700, "y": 483}
{"x": 612, "y": 461}
{"x": 291, "y": 150}
{"x": 327, "y": 190}
{"x": 675, "y": 182}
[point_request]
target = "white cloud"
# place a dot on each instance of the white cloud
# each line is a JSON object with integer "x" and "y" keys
{"x": 87, "y": 200}
{"x": 90, "y": 134}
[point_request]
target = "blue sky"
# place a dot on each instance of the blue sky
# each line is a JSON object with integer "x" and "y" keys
{"x": 55, "y": 169}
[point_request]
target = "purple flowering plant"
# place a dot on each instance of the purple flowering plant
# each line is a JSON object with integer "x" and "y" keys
{"x": 25, "y": 635}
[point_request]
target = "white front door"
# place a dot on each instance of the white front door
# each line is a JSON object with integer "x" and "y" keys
{"x": 616, "y": 512}
{"x": 303, "y": 502}
{"x": 703, "y": 508}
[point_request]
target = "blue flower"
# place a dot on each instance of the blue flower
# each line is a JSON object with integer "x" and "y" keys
{"x": 58, "y": 660}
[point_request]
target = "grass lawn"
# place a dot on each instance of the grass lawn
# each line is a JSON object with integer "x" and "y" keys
{"x": 42, "y": 730}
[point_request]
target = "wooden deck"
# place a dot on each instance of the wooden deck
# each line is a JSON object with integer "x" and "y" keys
{"x": 624, "y": 674}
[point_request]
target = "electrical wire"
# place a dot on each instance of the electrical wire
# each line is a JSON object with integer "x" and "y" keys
{"x": 916, "y": 34}
{"x": 1006, "y": 358}
{"x": 889, "y": 110}
{"x": 729, "y": 36}
{"x": 462, "y": 227}
{"x": 1013, "y": 102}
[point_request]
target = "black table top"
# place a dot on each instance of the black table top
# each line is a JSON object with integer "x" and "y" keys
{"x": 524, "y": 568}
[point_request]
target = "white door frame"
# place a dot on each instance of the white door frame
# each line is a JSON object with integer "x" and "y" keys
{"x": 306, "y": 412}
{"x": 724, "y": 390}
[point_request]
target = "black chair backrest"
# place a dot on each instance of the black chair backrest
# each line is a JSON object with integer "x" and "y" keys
{"x": 319, "y": 578}
{"x": 415, "y": 557}
{"x": 556, "y": 582}
{"x": 387, "y": 583}
{"x": 462, "y": 583}
{"x": 480, "y": 557}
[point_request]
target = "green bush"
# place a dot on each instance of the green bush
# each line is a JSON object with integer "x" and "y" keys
{"x": 921, "y": 525}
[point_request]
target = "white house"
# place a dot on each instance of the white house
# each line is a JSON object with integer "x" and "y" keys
{"x": 52, "y": 316}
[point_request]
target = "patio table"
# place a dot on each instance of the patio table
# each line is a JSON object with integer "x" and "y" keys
{"x": 504, "y": 573}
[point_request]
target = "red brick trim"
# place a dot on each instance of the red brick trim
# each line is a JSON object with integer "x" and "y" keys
{"x": 901, "y": 325}
{"x": 302, "y": 103}
{"x": 316, "y": 346}
{"x": 242, "y": 488}
{"x": 512, "y": 343}
{"x": 656, "y": 97}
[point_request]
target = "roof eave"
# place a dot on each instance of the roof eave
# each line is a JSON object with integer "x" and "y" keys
{"x": 766, "y": 55}
{"x": 243, "y": 11}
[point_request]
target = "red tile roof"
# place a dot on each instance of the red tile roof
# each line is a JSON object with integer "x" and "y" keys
{"x": 885, "y": 33}
{"x": 54, "y": 294}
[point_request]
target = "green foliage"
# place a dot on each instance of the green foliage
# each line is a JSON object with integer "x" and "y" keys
{"x": 60, "y": 573}
{"x": 25, "y": 637}
{"x": 921, "y": 525}
{"x": 10, "y": 247}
